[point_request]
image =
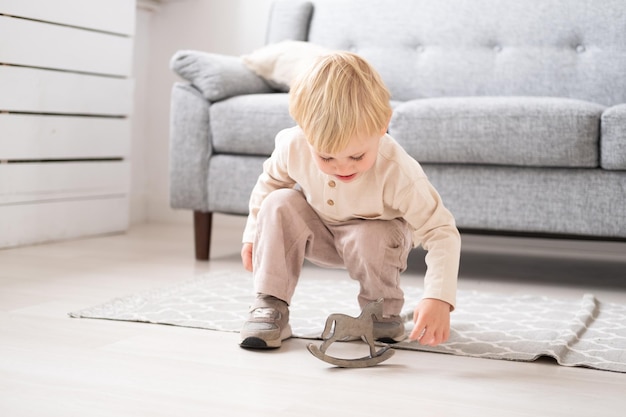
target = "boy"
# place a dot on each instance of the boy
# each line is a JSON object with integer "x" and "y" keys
{"x": 340, "y": 192}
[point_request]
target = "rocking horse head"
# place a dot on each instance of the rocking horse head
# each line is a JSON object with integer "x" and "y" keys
{"x": 373, "y": 310}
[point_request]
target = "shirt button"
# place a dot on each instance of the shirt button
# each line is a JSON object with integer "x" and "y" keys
{"x": 331, "y": 183}
{"x": 330, "y": 202}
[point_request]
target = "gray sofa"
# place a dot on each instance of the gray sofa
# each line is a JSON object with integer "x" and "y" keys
{"x": 515, "y": 109}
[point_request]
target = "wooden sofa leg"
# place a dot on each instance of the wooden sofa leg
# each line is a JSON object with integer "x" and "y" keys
{"x": 202, "y": 234}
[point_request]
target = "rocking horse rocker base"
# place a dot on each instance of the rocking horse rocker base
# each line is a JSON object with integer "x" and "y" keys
{"x": 364, "y": 362}
{"x": 342, "y": 327}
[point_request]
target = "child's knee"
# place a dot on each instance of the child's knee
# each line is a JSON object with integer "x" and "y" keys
{"x": 385, "y": 234}
{"x": 386, "y": 243}
{"x": 281, "y": 199}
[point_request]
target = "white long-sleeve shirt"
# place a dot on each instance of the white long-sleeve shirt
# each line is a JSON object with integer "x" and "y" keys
{"x": 395, "y": 187}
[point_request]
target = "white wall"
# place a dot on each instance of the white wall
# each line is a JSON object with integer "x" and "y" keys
{"x": 230, "y": 27}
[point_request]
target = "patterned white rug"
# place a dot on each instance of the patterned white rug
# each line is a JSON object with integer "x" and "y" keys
{"x": 583, "y": 332}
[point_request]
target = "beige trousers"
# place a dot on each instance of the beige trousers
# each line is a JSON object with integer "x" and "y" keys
{"x": 374, "y": 252}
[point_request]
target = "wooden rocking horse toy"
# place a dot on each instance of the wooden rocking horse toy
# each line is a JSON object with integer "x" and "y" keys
{"x": 340, "y": 327}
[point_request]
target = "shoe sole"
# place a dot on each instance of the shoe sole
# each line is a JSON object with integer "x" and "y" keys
{"x": 391, "y": 340}
{"x": 252, "y": 342}
{"x": 256, "y": 343}
{"x": 388, "y": 340}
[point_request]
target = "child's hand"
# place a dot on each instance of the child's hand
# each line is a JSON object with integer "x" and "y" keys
{"x": 432, "y": 322}
{"x": 246, "y": 256}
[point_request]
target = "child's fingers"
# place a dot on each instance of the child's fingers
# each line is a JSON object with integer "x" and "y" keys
{"x": 417, "y": 333}
{"x": 432, "y": 326}
{"x": 428, "y": 335}
{"x": 246, "y": 257}
{"x": 420, "y": 327}
{"x": 434, "y": 337}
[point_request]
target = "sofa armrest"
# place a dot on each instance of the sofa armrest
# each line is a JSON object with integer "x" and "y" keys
{"x": 190, "y": 148}
{"x": 217, "y": 76}
{"x": 613, "y": 140}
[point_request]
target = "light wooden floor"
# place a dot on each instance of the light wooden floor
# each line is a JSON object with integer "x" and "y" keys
{"x": 52, "y": 365}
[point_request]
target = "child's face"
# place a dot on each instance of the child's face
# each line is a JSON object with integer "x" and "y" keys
{"x": 349, "y": 164}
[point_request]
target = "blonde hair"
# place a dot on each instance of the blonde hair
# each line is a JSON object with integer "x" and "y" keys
{"x": 339, "y": 97}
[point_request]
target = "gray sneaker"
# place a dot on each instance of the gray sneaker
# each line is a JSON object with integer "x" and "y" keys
{"x": 267, "y": 325}
{"x": 390, "y": 330}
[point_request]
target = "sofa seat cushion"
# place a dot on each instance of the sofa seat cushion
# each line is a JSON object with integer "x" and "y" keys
{"x": 516, "y": 131}
{"x": 248, "y": 124}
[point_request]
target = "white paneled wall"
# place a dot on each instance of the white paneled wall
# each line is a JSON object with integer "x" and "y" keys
{"x": 66, "y": 95}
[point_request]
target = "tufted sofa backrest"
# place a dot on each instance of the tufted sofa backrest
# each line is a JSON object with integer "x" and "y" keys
{"x": 438, "y": 48}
